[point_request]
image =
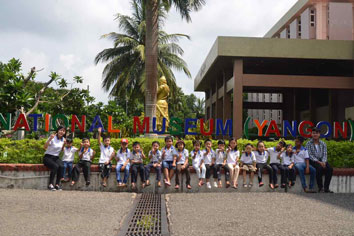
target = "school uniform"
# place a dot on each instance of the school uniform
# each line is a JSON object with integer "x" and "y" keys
{"x": 286, "y": 173}
{"x": 52, "y": 161}
{"x": 247, "y": 160}
{"x": 181, "y": 158}
{"x": 106, "y": 153}
{"x": 232, "y": 168}
{"x": 196, "y": 163}
{"x": 68, "y": 160}
{"x": 208, "y": 160}
{"x": 155, "y": 159}
{"x": 167, "y": 160}
{"x": 122, "y": 158}
{"x": 137, "y": 166}
{"x": 300, "y": 158}
{"x": 274, "y": 163}
{"x": 261, "y": 160}
{"x": 84, "y": 164}
{"x": 219, "y": 160}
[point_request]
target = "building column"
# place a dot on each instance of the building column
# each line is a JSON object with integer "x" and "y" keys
{"x": 226, "y": 100}
{"x": 238, "y": 99}
{"x": 218, "y": 102}
{"x": 210, "y": 103}
{"x": 321, "y": 20}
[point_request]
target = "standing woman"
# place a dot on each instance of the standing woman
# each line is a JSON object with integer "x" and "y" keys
{"x": 53, "y": 147}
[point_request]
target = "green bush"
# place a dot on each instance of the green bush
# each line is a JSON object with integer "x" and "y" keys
{"x": 340, "y": 154}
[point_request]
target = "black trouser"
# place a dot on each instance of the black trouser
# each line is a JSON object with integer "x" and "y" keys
{"x": 217, "y": 171}
{"x": 208, "y": 168}
{"x": 275, "y": 167}
{"x": 287, "y": 174}
{"x": 320, "y": 171}
{"x": 56, "y": 167}
{"x": 105, "y": 169}
{"x": 157, "y": 170}
{"x": 180, "y": 171}
{"x": 260, "y": 168}
{"x": 134, "y": 169}
{"x": 86, "y": 169}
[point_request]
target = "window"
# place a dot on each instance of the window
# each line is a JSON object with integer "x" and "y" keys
{"x": 288, "y": 33}
{"x": 312, "y": 18}
{"x": 299, "y": 28}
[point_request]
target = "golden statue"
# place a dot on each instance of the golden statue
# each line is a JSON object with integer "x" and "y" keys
{"x": 161, "y": 105}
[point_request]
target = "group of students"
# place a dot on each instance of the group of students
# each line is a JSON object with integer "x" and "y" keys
{"x": 174, "y": 160}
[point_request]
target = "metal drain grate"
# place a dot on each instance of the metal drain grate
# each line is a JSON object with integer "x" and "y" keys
{"x": 148, "y": 216}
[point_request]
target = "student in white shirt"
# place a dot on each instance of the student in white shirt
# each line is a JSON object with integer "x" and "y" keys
{"x": 248, "y": 164}
{"x": 53, "y": 147}
{"x": 168, "y": 160}
{"x": 262, "y": 163}
{"x": 209, "y": 160}
{"x": 232, "y": 168}
{"x": 198, "y": 163}
{"x": 220, "y": 157}
{"x": 137, "y": 166}
{"x": 106, "y": 156}
{"x": 181, "y": 155}
{"x": 275, "y": 161}
{"x": 86, "y": 155}
{"x": 155, "y": 162}
{"x": 287, "y": 168}
{"x": 123, "y": 162}
{"x": 68, "y": 159}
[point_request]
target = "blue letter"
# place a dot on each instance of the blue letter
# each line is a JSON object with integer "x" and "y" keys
{"x": 291, "y": 128}
{"x": 35, "y": 120}
{"x": 97, "y": 119}
{"x": 329, "y": 128}
{"x": 163, "y": 128}
{"x": 219, "y": 126}
{"x": 188, "y": 126}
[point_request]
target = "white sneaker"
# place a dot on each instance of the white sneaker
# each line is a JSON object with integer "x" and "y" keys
{"x": 208, "y": 185}
{"x": 215, "y": 185}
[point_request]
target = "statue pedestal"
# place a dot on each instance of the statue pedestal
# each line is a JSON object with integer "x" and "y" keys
{"x": 150, "y": 135}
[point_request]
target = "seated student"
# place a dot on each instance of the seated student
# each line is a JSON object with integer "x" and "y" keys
{"x": 248, "y": 163}
{"x": 198, "y": 163}
{"x": 262, "y": 159}
{"x": 155, "y": 162}
{"x": 137, "y": 165}
{"x": 287, "y": 169}
{"x": 302, "y": 164}
{"x": 209, "y": 160}
{"x": 86, "y": 155}
{"x": 275, "y": 161}
{"x": 181, "y": 156}
{"x": 123, "y": 163}
{"x": 232, "y": 168}
{"x": 168, "y": 162}
{"x": 106, "y": 156}
{"x": 220, "y": 155}
{"x": 68, "y": 159}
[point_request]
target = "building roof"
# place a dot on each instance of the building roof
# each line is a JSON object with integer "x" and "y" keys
{"x": 226, "y": 49}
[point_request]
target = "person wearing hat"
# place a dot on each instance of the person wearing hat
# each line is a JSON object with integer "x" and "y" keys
{"x": 123, "y": 163}
{"x": 181, "y": 155}
{"x": 317, "y": 150}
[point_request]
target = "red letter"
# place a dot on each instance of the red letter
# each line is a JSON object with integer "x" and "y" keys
{"x": 47, "y": 121}
{"x": 308, "y": 129}
{"x": 272, "y": 129}
{"x": 75, "y": 121}
{"x": 342, "y": 130}
{"x": 21, "y": 122}
{"x": 141, "y": 127}
{"x": 211, "y": 127}
{"x": 260, "y": 126}
{"x": 110, "y": 126}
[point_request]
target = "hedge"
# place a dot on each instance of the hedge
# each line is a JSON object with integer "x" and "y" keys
{"x": 30, "y": 151}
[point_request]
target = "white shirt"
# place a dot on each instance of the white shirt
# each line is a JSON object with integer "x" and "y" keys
{"x": 106, "y": 153}
{"x": 55, "y": 146}
{"x": 168, "y": 153}
{"x": 232, "y": 156}
{"x": 69, "y": 154}
{"x": 198, "y": 157}
{"x": 273, "y": 153}
{"x": 122, "y": 156}
{"x": 248, "y": 159}
{"x": 184, "y": 156}
{"x": 208, "y": 158}
{"x": 219, "y": 157}
{"x": 155, "y": 157}
{"x": 261, "y": 157}
{"x": 87, "y": 155}
{"x": 136, "y": 156}
{"x": 286, "y": 160}
{"x": 301, "y": 156}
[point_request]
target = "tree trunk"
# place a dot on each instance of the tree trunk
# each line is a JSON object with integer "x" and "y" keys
{"x": 151, "y": 51}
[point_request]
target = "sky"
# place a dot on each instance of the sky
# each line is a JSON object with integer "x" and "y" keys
{"x": 64, "y": 35}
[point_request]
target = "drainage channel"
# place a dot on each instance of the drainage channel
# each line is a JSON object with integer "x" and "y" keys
{"x": 147, "y": 217}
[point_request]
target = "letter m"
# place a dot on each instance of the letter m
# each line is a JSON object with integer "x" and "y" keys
{"x": 141, "y": 126}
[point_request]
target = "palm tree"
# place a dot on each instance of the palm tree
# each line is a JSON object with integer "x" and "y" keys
{"x": 124, "y": 74}
{"x": 184, "y": 7}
